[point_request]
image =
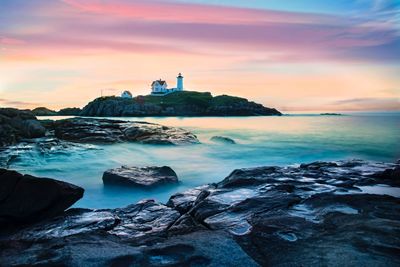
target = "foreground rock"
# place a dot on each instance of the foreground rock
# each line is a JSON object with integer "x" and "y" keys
{"x": 86, "y": 130}
{"x": 25, "y": 198}
{"x": 16, "y": 125}
{"x": 140, "y": 176}
{"x": 316, "y": 214}
{"x": 222, "y": 139}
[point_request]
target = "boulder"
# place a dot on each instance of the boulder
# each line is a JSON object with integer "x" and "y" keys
{"x": 222, "y": 139}
{"x": 18, "y": 124}
{"x": 140, "y": 176}
{"x": 25, "y": 198}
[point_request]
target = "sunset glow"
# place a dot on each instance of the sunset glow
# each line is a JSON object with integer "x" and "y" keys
{"x": 333, "y": 57}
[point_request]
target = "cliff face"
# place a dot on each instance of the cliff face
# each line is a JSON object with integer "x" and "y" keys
{"x": 176, "y": 104}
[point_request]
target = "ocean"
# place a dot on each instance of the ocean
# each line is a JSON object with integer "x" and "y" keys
{"x": 286, "y": 140}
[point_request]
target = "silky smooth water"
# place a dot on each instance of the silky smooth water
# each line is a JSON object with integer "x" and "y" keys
{"x": 284, "y": 140}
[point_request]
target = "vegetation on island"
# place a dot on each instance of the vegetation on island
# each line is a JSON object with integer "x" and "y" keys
{"x": 42, "y": 111}
{"x": 184, "y": 103}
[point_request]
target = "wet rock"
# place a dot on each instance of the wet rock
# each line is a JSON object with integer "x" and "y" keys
{"x": 222, "y": 139}
{"x": 25, "y": 198}
{"x": 330, "y": 225}
{"x": 389, "y": 176}
{"x": 184, "y": 201}
{"x": 140, "y": 176}
{"x": 18, "y": 124}
{"x": 313, "y": 215}
{"x": 87, "y": 130}
{"x": 149, "y": 133}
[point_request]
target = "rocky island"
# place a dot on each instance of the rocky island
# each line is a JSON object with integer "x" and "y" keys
{"x": 184, "y": 103}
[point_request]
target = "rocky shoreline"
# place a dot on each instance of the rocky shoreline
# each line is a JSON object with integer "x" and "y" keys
{"x": 309, "y": 215}
{"x": 17, "y": 126}
{"x": 323, "y": 213}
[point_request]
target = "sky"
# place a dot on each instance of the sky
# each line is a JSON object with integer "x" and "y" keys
{"x": 303, "y": 55}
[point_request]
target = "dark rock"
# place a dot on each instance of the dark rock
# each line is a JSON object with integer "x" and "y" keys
{"x": 223, "y": 139}
{"x": 186, "y": 103}
{"x": 150, "y": 133}
{"x": 184, "y": 201}
{"x": 314, "y": 215}
{"x": 140, "y": 176}
{"x": 86, "y": 130}
{"x": 89, "y": 130}
{"x": 18, "y": 124}
{"x": 42, "y": 111}
{"x": 25, "y": 198}
{"x": 69, "y": 112}
{"x": 330, "y": 114}
{"x": 389, "y": 176}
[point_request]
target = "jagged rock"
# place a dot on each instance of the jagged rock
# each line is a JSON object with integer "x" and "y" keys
{"x": 222, "y": 139}
{"x": 86, "y": 130}
{"x": 25, "y": 198}
{"x": 184, "y": 201}
{"x": 140, "y": 176}
{"x": 310, "y": 215}
{"x": 18, "y": 124}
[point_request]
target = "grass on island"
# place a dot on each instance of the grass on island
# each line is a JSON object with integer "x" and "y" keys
{"x": 202, "y": 99}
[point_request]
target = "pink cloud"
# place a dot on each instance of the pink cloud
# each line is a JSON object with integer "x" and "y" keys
{"x": 195, "y": 13}
{"x": 167, "y": 27}
{"x": 10, "y": 41}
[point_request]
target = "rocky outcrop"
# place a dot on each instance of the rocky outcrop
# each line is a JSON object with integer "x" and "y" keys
{"x": 270, "y": 216}
{"x": 16, "y": 125}
{"x": 42, "y": 111}
{"x": 185, "y": 103}
{"x": 86, "y": 130}
{"x": 25, "y": 198}
{"x": 69, "y": 112}
{"x": 140, "y": 176}
{"x": 222, "y": 139}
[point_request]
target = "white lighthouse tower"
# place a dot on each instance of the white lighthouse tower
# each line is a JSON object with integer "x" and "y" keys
{"x": 179, "y": 82}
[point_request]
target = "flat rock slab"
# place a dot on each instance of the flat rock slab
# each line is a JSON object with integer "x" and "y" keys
{"x": 140, "y": 176}
{"x": 87, "y": 130}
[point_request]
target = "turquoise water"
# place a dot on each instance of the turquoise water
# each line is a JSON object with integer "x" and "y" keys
{"x": 260, "y": 141}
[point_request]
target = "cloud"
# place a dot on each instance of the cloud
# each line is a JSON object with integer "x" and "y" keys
{"x": 368, "y": 104}
{"x": 17, "y": 104}
{"x": 172, "y": 27}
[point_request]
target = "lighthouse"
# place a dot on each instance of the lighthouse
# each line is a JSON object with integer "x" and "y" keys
{"x": 179, "y": 82}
